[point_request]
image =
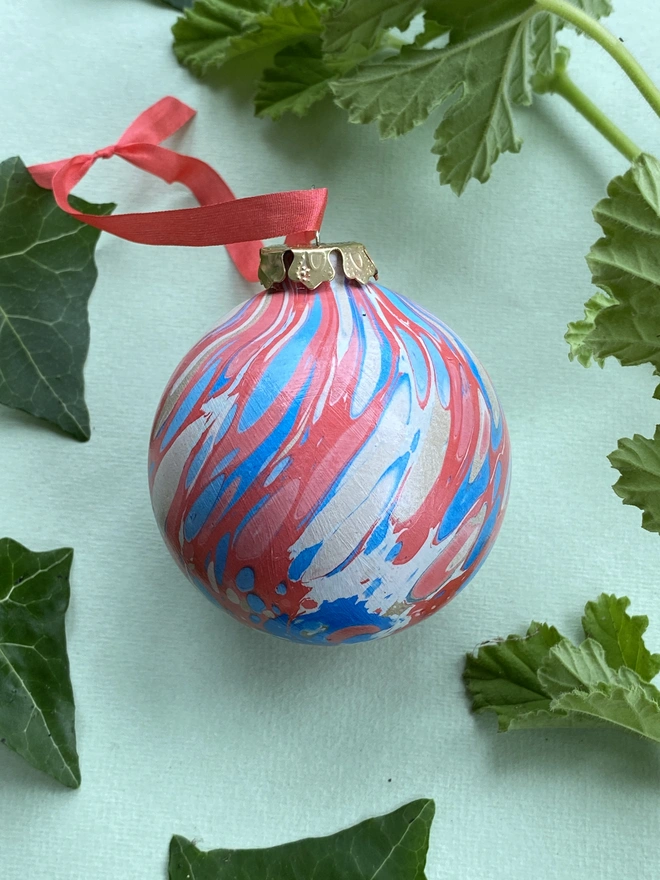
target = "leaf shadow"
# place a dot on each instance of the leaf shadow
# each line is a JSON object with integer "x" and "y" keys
{"x": 544, "y": 125}
{"x": 304, "y": 139}
{"x": 17, "y": 775}
{"x": 237, "y": 78}
{"x": 615, "y": 757}
{"x": 11, "y": 418}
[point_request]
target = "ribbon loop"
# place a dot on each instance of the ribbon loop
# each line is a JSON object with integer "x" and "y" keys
{"x": 220, "y": 219}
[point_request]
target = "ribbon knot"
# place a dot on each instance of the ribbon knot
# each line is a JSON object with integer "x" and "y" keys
{"x": 220, "y": 219}
{"x": 105, "y": 153}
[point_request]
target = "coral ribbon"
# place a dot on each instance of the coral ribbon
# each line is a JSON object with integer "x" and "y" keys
{"x": 221, "y": 219}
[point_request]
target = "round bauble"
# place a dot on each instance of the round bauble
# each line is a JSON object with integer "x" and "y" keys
{"x": 329, "y": 466}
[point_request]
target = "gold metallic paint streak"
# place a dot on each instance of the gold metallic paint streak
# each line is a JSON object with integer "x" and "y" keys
{"x": 421, "y": 476}
{"x": 476, "y": 522}
{"x": 480, "y": 454}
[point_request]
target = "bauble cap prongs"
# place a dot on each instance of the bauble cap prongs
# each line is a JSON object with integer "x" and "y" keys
{"x": 311, "y": 265}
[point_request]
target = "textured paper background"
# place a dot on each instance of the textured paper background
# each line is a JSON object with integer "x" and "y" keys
{"x": 189, "y": 723}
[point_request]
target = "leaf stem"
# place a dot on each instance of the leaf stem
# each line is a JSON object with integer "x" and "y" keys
{"x": 560, "y": 83}
{"x": 615, "y": 47}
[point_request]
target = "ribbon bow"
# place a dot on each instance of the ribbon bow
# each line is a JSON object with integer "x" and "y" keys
{"x": 221, "y": 219}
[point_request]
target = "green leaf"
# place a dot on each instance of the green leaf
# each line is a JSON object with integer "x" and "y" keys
{"x": 215, "y": 31}
{"x": 582, "y": 682}
{"x": 543, "y": 43}
{"x": 301, "y": 77}
{"x": 625, "y": 264}
{"x": 364, "y": 21}
{"x": 477, "y": 15}
{"x": 568, "y": 667}
{"x": 638, "y": 461}
{"x": 503, "y": 676}
{"x": 36, "y": 698}
{"x": 390, "y": 847}
{"x": 621, "y": 635}
{"x": 480, "y": 66}
{"x": 494, "y": 50}
{"x": 47, "y": 273}
{"x": 298, "y": 80}
{"x": 543, "y": 680}
{"x": 179, "y": 4}
{"x": 431, "y": 32}
{"x": 204, "y": 34}
{"x": 579, "y": 332}
{"x": 537, "y": 40}
{"x": 627, "y": 707}
{"x": 595, "y": 8}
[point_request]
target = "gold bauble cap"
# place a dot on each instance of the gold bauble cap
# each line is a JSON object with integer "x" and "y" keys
{"x": 311, "y": 265}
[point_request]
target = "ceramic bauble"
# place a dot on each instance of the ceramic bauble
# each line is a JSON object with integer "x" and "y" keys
{"x": 329, "y": 465}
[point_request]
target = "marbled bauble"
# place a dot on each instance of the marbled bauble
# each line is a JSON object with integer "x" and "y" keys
{"x": 332, "y": 466}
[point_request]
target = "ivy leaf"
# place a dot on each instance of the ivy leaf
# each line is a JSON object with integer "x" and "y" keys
{"x": 363, "y": 22}
{"x": 47, "y": 273}
{"x": 36, "y": 698}
{"x": 625, "y": 264}
{"x": 503, "y": 676}
{"x": 638, "y": 461}
{"x": 215, "y": 31}
{"x": 494, "y": 50}
{"x": 621, "y": 635}
{"x": 300, "y": 77}
{"x": 390, "y": 847}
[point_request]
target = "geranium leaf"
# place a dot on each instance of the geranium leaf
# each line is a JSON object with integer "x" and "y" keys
{"x": 629, "y": 708}
{"x": 638, "y": 461}
{"x": 543, "y": 680}
{"x": 363, "y": 22}
{"x": 47, "y": 273}
{"x": 203, "y": 35}
{"x": 568, "y": 667}
{"x": 502, "y": 677}
{"x": 621, "y": 635}
{"x": 390, "y": 847}
{"x": 36, "y": 698}
{"x": 494, "y": 50}
{"x": 402, "y": 91}
{"x": 582, "y": 682}
{"x": 299, "y": 78}
{"x": 214, "y": 31}
{"x": 625, "y": 264}
{"x": 578, "y": 333}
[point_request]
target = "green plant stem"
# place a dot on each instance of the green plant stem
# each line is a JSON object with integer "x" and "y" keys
{"x": 560, "y": 83}
{"x": 623, "y": 57}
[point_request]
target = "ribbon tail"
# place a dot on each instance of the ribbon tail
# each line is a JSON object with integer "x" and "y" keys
{"x": 157, "y": 122}
{"x": 43, "y": 174}
{"x": 220, "y": 219}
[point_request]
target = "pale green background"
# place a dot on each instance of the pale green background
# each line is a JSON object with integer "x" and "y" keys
{"x": 189, "y": 723}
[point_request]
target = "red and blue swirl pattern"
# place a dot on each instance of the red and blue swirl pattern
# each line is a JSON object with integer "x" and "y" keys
{"x": 329, "y": 467}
